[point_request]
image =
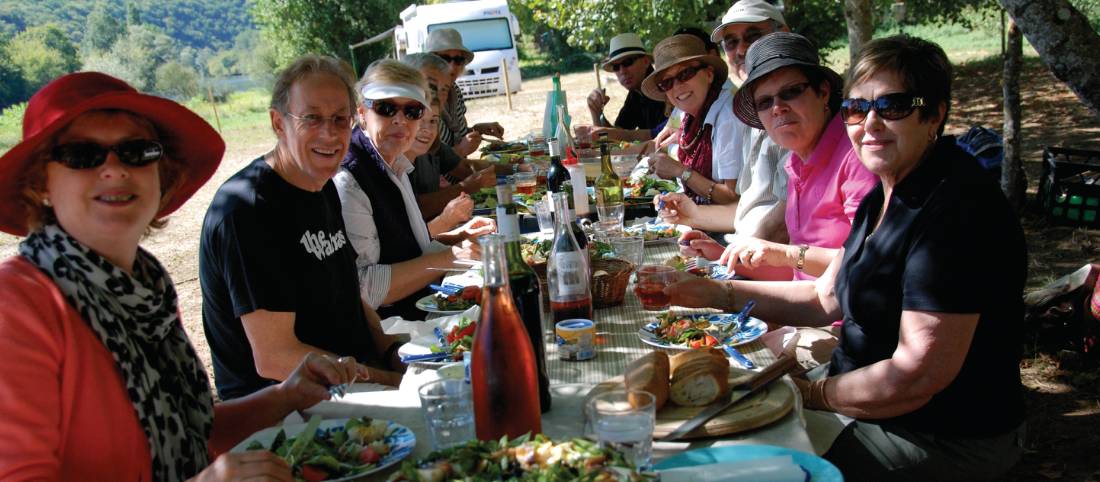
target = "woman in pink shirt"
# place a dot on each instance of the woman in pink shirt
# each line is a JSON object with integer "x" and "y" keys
{"x": 789, "y": 94}
{"x": 100, "y": 381}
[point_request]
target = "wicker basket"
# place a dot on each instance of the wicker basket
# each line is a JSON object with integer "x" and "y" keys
{"x": 607, "y": 289}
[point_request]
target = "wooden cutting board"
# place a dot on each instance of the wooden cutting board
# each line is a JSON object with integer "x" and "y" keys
{"x": 757, "y": 410}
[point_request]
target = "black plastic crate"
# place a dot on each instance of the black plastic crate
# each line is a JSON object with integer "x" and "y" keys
{"x": 1070, "y": 187}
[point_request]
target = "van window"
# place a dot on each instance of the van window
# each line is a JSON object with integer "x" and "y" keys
{"x": 482, "y": 34}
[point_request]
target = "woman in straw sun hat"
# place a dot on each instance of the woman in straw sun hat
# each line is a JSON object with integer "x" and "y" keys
{"x": 100, "y": 381}
{"x": 695, "y": 82}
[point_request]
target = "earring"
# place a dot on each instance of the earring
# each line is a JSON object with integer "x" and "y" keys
{"x": 46, "y": 202}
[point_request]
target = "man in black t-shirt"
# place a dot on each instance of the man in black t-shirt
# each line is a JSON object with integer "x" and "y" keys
{"x": 631, "y": 64}
{"x": 277, "y": 271}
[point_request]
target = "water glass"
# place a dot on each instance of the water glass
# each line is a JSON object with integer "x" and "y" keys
{"x": 583, "y": 136}
{"x": 629, "y": 248}
{"x": 611, "y": 215}
{"x": 650, "y": 287}
{"x": 448, "y": 409}
{"x": 525, "y": 182}
{"x": 545, "y": 217}
{"x": 624, "y": 420}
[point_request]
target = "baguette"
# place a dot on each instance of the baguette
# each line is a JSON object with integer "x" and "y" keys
{"x": 699, "y": 378}
{"x": 697, "y": 354}
{"x": 649, "y": 373}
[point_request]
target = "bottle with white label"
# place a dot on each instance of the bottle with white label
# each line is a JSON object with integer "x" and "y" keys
{"x": 567, "y": 270}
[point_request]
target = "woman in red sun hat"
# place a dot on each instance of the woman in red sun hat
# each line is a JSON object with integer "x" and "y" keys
{"x": 100, "y": 381}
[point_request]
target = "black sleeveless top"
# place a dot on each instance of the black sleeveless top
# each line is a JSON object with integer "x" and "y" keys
{"x": 395, "y": 234}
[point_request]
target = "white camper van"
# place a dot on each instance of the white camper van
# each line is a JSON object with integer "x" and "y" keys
{"x": 488, "y": 29}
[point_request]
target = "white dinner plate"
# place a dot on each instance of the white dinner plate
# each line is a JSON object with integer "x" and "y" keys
{"x": 428, "y": 304}
{"x": 400, "y": 439}
{"x": 750, "y": 330}
{"x": 422, "y": 346}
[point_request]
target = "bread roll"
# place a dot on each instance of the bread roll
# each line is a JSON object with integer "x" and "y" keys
{"x": 697, "y": 354}
{"x": 698, "y": 378}
{"x": 649, "y": 373}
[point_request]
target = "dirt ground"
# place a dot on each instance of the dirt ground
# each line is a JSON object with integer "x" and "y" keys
{"x": 1062, "y": 390}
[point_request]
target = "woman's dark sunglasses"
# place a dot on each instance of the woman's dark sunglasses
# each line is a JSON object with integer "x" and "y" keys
{"x": 86, "y": 155}
{"x": 624, "y": 63}
{"x": 681, "y": 76}
{"x": 385, "y": 108}
{"x": 890, "y": 107}
{"x": 456, "y": 60}
{"x": 786, "y": 94}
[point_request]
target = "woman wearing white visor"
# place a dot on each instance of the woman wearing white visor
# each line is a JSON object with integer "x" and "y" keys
{"x": 393, "y": 246}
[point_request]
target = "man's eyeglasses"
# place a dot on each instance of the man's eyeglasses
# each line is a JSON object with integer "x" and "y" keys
{"x": 314, "y": 121}
{"x": 890, "y": 107}
{"x": 730, "y": 42}
{"x": 624, "y": 63}
{"x": 386, "y": 108}
{"x": 681, "y": 77}
{"x": 86, "y": 155}
{"x": 456, "y": 60}
{"x": 787, "y": 94}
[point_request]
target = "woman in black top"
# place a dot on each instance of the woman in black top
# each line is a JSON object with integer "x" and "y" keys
{"x": 929, "y": 286}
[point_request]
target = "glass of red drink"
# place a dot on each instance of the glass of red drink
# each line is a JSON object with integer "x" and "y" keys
{"x": 650, "y": 286}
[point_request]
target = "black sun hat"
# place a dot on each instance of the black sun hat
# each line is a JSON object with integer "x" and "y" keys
{"x": 770, "y": 53}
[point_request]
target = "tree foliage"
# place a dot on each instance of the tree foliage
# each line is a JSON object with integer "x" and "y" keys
{"x": 135, "y": 56}
{"x": 297, "y": 27}
{"x": 13, "y": 88}
{"x": 100, "y": 30}
{"x": 41, "y": 54}
{"x": 176, "y": 80}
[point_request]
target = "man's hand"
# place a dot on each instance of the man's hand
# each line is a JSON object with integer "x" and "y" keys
{"x": 696, "y": 243}
{"x": 468, "y": 249}
{"x": 665, "y": 166}
{"x": 468, "y": 144}
{"x": 476, "y": 228}
{"x": 596, "y": 102}
{"x": 481, "y": 179}
{"x": 493, "y": 129}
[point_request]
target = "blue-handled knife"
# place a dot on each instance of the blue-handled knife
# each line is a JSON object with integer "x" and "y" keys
{"x": 425, "y": 357}
{"x": 740, "y": 357}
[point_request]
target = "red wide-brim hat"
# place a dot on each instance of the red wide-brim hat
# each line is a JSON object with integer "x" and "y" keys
{"x": 186, "y": 136}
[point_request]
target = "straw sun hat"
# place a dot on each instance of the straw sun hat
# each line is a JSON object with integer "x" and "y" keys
{"x": 443, "y": 39}
{"x": 679, "y": 49}
{"x": 623, "y": 45}
{"x": 189, "y": 138}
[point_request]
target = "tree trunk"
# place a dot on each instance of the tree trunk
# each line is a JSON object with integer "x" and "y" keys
{"x": 1013, "y": 180}
{"x": 857, "y": 14}
{"x": 1066, "y": 43}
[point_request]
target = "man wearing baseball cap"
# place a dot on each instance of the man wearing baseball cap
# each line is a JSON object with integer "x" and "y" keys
{"x": 630, "y": 62}
{"x": 744, "y": 23}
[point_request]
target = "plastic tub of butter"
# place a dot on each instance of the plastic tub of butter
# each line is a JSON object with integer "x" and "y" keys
{"x": 576, "y": 339}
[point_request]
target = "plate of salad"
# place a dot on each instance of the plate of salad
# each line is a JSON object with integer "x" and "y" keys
{"x": 525, "y": 458}
{"x": 647, "y": 187}
{"x": 685, "y": 332}
{"x": 450, "y": 304}
{"x": 337, "y": 449}
{"x": 657, "y": 232}
{"x": 458, "y": 339}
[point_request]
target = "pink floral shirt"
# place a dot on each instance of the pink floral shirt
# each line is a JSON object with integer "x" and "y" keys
{"x": 824, "y": 191}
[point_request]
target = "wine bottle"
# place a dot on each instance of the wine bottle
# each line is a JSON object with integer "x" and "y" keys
{"x": 524, "y": 286}
{"x": 567, "y": 270}
{"x": 503, "y": 369}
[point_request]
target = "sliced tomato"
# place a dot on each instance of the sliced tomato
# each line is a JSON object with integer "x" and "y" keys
{"x": 709, "y": 340}
{"x": 313, "y": 473}
{"x": 369, "y": 456}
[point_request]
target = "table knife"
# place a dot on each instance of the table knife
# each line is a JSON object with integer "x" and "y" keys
{"x": 781, "y": 366}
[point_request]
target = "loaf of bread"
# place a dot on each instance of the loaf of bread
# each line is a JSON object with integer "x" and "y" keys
{"x": 649, "y": 373}
{"x": 699, "y": 377}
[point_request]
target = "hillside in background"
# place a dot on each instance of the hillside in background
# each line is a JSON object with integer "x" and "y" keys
{"x": 200, "y": 24}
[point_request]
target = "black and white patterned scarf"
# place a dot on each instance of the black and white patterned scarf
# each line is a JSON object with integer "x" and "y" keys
{"x": 137, "y": 319}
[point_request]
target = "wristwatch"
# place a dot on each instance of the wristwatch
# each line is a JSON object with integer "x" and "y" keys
{"x": 684, "y": 176}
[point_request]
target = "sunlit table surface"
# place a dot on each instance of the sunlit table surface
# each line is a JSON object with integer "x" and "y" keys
{"x": 570, "y": 382}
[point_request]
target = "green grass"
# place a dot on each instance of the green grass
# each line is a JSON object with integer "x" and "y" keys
{"x": 240, "y": 111}
{"x": 963, "y": 44}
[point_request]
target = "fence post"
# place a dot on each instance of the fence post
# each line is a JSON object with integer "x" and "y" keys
{"x": 214, "y": 105}
{"x": 507, "y": 82}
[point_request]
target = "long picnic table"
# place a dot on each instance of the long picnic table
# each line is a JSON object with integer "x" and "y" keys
{"x": 570, "y": 383}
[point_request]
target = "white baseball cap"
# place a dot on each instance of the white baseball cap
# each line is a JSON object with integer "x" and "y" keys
{"x": 748, "y": 11}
